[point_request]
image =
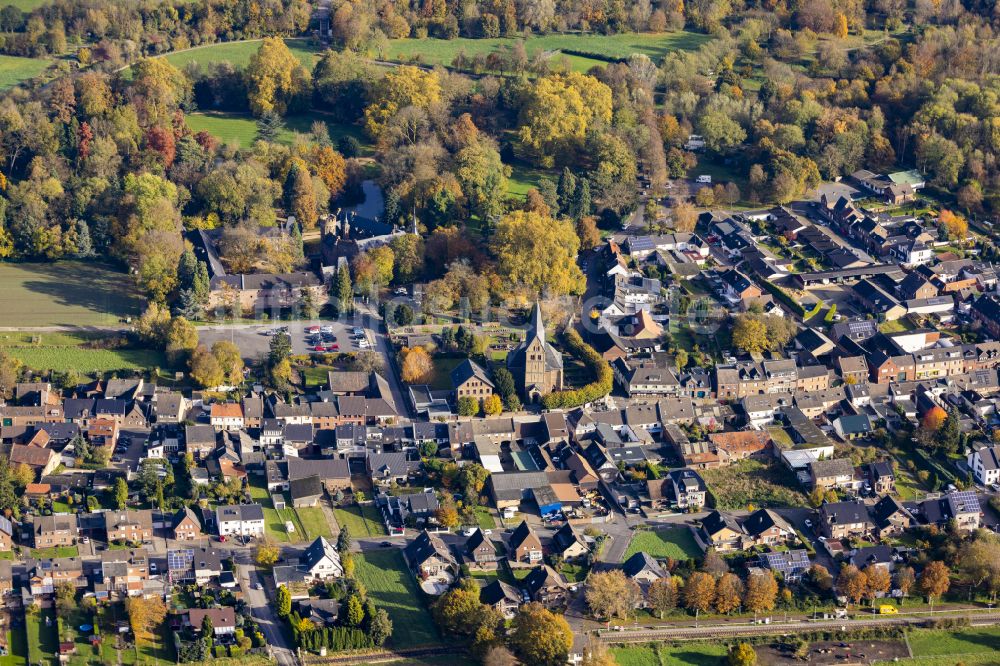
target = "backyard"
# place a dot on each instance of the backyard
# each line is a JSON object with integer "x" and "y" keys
{"x": 693, "y": 654}
{"x": 65, "y": 293}
{"x": 17, "y": 645}
{"x": 43, "y": 642}
{"x": 360, "y": 520}
{"x": 275, "y": 519}
{"x": 313, "y": 520}
{"x": 676, "y": 543}
{"x": 752, "y": 482}
{"x": 392, "y": 586}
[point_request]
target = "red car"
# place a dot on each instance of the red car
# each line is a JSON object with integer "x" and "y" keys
{"x": 312, "y": 330}
{"x": 333, "y": 347}
{"x": 319, "y": 348}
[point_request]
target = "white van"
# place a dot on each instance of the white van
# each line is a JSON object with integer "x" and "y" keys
{"x": 707, "y": 180}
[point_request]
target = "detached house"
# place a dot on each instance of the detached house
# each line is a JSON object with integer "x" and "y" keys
{"x": 429, "y": 557}
{"x": 985, "y": 465}
{"x": 765, "y": 527}
{"x": 689, "y": 488}
{"x": 469, "y": 380}
{"x": 545, "y": 586}
{"x": 186, "y": 526}
{"x": 480, "y": 551}
{"x": 240, "y": 519}
{"x": 223, "y": 619}
{"x": 524, "y": 545}
{"x": 503, "y": 597}
{"x": 321, "y": 561}
{"x": 835, "y": 473}
{"x": 723, "y": 532}
{"x": 568, "y": 544}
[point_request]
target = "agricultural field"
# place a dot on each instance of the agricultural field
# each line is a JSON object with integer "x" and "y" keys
{"x": 65, "y": 293}
{"x": 677, "y": 543}
{"x": 360, "y": 520}
{"x": 762, "y": 484}
{"x": 62, "y": 352}
{"x": 238, "y": 53}
{"x": 13, "y": 70}
{"x": 443, "y": 52}
{"x": 693, "y": 654}
{"x": 241, "y": 128}
{"x": 942, "y": 642}
{"x": 393, "y": 587}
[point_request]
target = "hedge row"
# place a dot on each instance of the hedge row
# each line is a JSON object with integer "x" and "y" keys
{"x": 591, "y": 56}
{"x": 783, "y": 296}
{"x": 815, "y": 311}
{"x": 831, "y": 314}
{"x": 332, "y": 638}
{"x": 598, "y": 388}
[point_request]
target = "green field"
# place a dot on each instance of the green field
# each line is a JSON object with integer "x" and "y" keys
{"x": 360, "y": 520}
{"x": 677, "y": 543}
{"x": 762, "y": 484}
{"x": 941, "y": 642}
{"x": 393, "y": 587}
{"x": 443, "y": 52}
{"x": 65, "y": 293}
{"x": 13, "y": 70}
{"x": 24, "y": 5}
{"x": 241, "y": 128}
{"x": 694, "y": 654}
{"x": 238, "y": 53}
{"x": 313, "y": 520}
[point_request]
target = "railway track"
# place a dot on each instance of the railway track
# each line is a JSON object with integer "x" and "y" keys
{"x": 782, "y": 628}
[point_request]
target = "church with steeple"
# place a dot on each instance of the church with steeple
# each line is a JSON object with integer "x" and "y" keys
{"x": 536, "y": 365}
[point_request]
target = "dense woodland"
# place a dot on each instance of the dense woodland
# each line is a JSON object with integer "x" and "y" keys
{"x": 100, "y": 160}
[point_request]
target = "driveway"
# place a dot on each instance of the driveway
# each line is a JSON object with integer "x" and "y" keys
{"x": 262, "y": 610}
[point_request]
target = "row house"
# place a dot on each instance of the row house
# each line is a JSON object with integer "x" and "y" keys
{"x": 129, "y": 526}
{"x": 17, "y": 415}
{"x": 123, "y": 573}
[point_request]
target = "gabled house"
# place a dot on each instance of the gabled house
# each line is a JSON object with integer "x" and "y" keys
{"x": 765, "y": 527}
{"x": 223, "y": 619}
{"x": 881, "y": 477}
{"x": 59, "y": 529}
{"x": 480, "y": 551}
{"x": 833, "y": 473}
{"x": 6, "y": 534}
{"x": 545, "y": 586}
{"x": 689, "y": 488}
{"x": 429, "y": 557}
{"x": 723, "y": 532}
{"x": 186, "y": 526}
{"x": 503, "y": 597}
{"x": 889, "y": 517}
{"x": 305, "y": 491}
{"x": 568, "y": 544}
{"x": 839, "y": 520}
{"x": 524, "y": 544}
{"x": 469, "y": 380}
{"x": 321, "y": 561}
{"x": 240, "y": 519}
{"x": 643, "y": 569}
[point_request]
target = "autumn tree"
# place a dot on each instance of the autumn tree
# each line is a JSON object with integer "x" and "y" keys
{"x": 662, "y": 596}
{"x": 742, "y": 654}
{"x": 145, "y": 614}
{"x": 492, "y": 405}
{"x": 699, "y": 592}
{"x": 557, "y": 114}
{"x": 416, "y": 365}
{"x": 330, "y": 166}
{"x": 596, "y": 653}
{"x": 954, "y": 225}
{"x": 205, "y": 368}
{"x": 539, "y": 253}
{"x": 300, "y": 196}
{"x": 401, "y": 87}
{"x": 267, "y": 554}
{"x": 230, "y": 361}
{"x": 121, "y": 493}
{"x": 540, "y": 637}
{"x": 979, "y": 559}
{"x": 276, "y": 80}
{"x": 934, "y": 418}
{"x": 852, "y": 583}
{"x": 905, "y": 580}
{"x": 934, "y": 580}
{"x": 877, "y": 580}
{"x": 750, "y": 334}
{"x": 612, "y": 594}
{"x": 761, "y": 592}
{"x": 728, "y": 593}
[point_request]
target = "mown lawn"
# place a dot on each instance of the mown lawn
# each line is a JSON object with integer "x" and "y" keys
{"x": 440, "y": 379}
{"x": 392, "y": 586}
{"x": 677, "y": 543}
{"x": 313, "y": 520}
{"x": 443, "y": 52}
{"x": 238, "y": 54}
{"x": 69, "y": 293}
{"x": 274, "y": 519}
{"x": 43, "y": 643}
{"x": 13, "y": 70}
{"x": 360, "y": 520}
{"x": 241, "y": 128}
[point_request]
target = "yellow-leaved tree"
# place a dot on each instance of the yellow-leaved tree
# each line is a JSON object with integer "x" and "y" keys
{"x": 559, "y": 110}
{"x": 276, "y": 80}
{"x": 538, "y": 252}
{"x": 399, "y": 88}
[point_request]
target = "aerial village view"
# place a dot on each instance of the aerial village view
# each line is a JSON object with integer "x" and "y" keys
{"x": 499, "y": 332}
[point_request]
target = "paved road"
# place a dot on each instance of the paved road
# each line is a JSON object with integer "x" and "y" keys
{"x": 262, "y": 610}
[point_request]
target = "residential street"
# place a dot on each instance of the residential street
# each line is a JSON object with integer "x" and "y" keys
{"x": 262, "y": 609}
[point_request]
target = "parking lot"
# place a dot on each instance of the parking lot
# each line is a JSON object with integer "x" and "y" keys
{"x": 254, "y": 340}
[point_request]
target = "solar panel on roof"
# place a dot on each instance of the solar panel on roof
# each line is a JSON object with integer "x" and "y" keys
{"x": 966, "y": 500}
{"x": 179, "y": 559}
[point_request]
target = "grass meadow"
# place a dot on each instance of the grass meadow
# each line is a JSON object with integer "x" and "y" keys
{"x": 677, "y": 543}
{"x": 13, "y": 69}
{"x": 392, "y": 586}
